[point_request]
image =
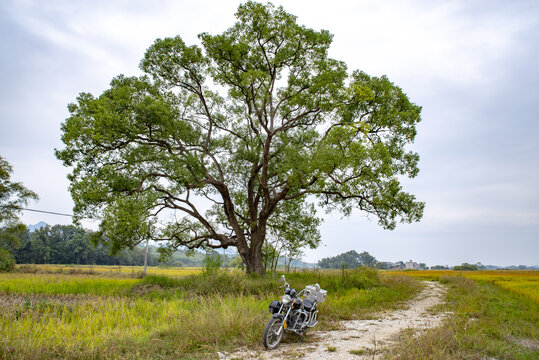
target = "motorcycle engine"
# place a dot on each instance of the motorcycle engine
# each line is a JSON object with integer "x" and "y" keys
{"x": 297, "y": 320}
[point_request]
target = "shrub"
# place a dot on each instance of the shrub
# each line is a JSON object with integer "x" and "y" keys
{"x": 358, "y": 278}
{"x": 163, "y": 281}
{"x": 7, "y": 262}
{"x": 26, "y": 268}
{"x": 212, "y": 263}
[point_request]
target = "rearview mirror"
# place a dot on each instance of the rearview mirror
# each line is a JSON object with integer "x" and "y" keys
{"x": 285, "y": 284}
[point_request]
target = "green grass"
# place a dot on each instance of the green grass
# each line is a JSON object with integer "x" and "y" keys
{"x": 106, "y": 328}
{"x": 523, "y": 282}
{"x": 237, "y": 283}
{"x": 357, "y": 303}
{"x": 85, "y": 317}
{"x": 358, "y": 352}
{"x": 487, "y": 322}
{"x": 62, "y": 284}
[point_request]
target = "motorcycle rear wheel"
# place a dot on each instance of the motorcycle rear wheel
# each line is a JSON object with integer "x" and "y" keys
{"x": 270, "y": 338}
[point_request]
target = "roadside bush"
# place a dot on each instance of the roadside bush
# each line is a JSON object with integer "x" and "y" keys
{"x": 212, "y": 263}
{"x": 163, "y": 281}
{"x": 230, "y": 283}
{"x": 7, "y": 262}
{"x": 337, "y": 280}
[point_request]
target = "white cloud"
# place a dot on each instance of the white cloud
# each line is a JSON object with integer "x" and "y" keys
{"x": 65, "y": 39}
{"x": 460, "y": 60}
{"x": 116, "y": 33}
{"x": 420, "y": 41}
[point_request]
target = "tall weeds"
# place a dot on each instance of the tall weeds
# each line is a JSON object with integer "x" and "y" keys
{"x": 487, "y": 323}
{"x": 168, "y": 317}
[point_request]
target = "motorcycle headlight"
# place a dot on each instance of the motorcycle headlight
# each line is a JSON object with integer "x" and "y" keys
{"x": 286, "y": 299}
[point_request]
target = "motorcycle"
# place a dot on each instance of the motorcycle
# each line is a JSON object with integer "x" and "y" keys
{"x": 292, "y": 313}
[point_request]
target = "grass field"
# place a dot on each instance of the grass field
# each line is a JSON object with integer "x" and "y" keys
{"x": 495, "y": 315}
{"x": 128, "y": 271}
{"x": 104, "y": 315}
{"x": 99, "y": 312}
{"x": 60, "y": 284}
{"x": 523, "y": 282}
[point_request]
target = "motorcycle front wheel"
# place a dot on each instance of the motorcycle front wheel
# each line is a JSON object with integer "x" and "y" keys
{"x": 271, "y": 338}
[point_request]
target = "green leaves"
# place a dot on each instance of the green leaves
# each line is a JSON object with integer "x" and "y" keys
{"x": 364, "y": 151}
{"x": 127, "y": 222}
{"x": 258, "y": 121}
{"x": 170, "y": 62}
{"x": 382, "y": 105}
{"x": 13, "y": 196}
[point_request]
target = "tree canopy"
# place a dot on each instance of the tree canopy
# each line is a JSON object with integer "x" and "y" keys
{"x": 242, "y": 135}
{"x": 13, "y": 196}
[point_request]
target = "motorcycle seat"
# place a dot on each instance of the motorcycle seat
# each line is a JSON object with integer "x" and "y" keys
{"x": 308, "y": 303}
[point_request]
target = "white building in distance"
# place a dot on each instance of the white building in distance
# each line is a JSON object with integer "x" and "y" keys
{"x": 410, "y": 265}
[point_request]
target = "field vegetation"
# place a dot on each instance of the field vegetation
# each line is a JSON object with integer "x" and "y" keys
{"x": 495, "y": 315}
{"x": 60, "y": 284}
{"x": 523, "y": 282}
{"x": 99, "y": 312}
{"x": 112, "y": 270}
{"x": 106, "y": 315}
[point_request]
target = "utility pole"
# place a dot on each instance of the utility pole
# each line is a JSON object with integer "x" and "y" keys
{"x": 146, "y": 256}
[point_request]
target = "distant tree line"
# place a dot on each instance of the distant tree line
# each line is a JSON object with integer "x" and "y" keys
{"x": 350, "y": 259}
{"x": 69, "y": 244}
{"x": 440, "y": 267}
{"x": 467, "y": 267}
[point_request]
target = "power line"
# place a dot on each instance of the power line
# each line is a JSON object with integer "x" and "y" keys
{"x": 43, "y": 211}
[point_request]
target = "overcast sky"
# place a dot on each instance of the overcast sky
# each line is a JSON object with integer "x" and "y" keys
{"x": 471, "y": 65}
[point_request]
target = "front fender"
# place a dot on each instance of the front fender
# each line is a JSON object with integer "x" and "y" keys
{"x": 278, "y": 315}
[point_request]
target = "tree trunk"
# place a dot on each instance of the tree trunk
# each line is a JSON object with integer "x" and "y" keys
{"x": 252, "y": 256}
{"x": 254, "y": 263}
{"x": 255, "y": 266}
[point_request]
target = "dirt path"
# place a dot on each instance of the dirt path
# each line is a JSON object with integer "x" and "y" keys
{"x": 360, "y": 339}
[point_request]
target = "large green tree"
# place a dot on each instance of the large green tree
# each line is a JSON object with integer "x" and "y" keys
{"x": 13, "y": 196}
{"x": 226, "y": 138}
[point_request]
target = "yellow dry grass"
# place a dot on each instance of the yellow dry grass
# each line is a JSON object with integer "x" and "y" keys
{"x": 58, "y": 284}
{"x": 122, "y": 270}
{"x": 47, "y": 314}
{"x": 523, "y": 282}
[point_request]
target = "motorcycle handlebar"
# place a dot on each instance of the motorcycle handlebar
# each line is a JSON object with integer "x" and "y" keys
{"x": 285, "y": 283}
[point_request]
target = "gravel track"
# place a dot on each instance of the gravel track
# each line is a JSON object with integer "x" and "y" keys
{"x": 366, "y": 338}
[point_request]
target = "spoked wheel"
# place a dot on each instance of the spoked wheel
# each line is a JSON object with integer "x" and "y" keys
{"x": 271, "y": 337}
